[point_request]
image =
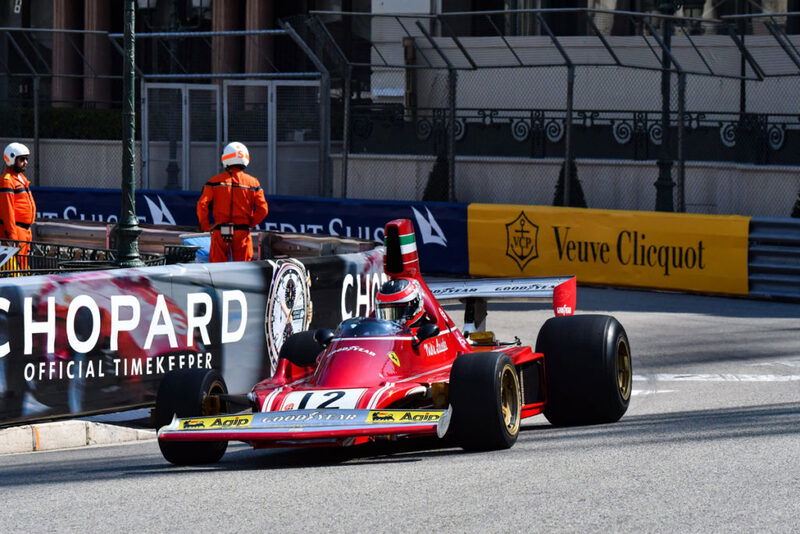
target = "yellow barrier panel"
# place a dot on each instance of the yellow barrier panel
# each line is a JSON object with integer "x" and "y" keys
{"x": 628, "y": 248}
{"x": 11, "y": 265}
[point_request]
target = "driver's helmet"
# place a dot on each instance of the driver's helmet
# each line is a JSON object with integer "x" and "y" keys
{"x": 400, "y": 300}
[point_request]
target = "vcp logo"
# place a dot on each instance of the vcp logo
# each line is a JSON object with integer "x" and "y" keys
{"x": 522, "y": 236}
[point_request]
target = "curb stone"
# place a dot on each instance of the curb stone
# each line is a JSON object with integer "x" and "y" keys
{"x": 66, "y": 435}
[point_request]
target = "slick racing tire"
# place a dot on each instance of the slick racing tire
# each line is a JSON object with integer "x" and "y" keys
{"x": 588, "y": 371}
{"x": 301, "y": 349}
{"x": 181, "y": 393}
{"x": 486, "y": 401}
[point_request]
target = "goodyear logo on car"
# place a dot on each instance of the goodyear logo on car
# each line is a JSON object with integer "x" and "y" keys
{"x": 404, "y": 416}
{"x": 216, "y": 423}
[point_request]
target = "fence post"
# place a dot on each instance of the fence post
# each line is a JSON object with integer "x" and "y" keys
{"x": 325, "y": 134}
{"x": 681, "y": 139}
{"x": 568, "y": 135}
{"x": 37, "y": 158}
{"x": 348, "y": 75}
{"x": 664, "y": 183}
{"x": 452, "y": 83}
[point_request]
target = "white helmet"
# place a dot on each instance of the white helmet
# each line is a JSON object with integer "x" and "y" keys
{"x": 14, "y": 150}
{"x": 235, "y": 153}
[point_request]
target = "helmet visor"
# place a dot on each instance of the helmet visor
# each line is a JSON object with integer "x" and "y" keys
{"x": 400, "y": 311}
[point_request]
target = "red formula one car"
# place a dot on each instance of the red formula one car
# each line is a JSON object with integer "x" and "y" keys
{"x": 409, "y": 371}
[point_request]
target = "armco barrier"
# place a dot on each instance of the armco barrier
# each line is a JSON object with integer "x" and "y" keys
{"x": 774, "y": 261}
{"x": 441, "y": 227}
{"x": 102, "y": 340}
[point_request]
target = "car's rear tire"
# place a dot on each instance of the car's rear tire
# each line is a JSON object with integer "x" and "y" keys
{"x": 181, "y": 394}
{"x": 588, "y": 371}
{"x": 301, "y": 349}
{"x": 486, "y": 401}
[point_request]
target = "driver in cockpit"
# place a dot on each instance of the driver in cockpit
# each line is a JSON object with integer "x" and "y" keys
{"x": 400, "y": 300}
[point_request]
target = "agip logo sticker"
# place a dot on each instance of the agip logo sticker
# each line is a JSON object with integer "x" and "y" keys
{"x": 216, "y": 423}
{"x": 403, "y": 417}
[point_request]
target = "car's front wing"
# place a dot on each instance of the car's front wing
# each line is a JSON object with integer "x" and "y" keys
{"x": 306, "y": 426}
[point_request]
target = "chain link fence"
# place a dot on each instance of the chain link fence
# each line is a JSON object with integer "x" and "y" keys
{"x": 653, "y": 112}
{"x": 474, "y": 107}
{"x": 60, "y": 94}
{"x": 61, "y": 105}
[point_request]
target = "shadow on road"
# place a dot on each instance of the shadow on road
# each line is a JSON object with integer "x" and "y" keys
{"x": 677, "y": 427}
{"x": 773, "y": 420}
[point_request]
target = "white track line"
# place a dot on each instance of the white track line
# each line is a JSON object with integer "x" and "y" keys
{"x": 722, "y": 377}
{"x": 644, "y": 392}
{"x": 787, "y": 363}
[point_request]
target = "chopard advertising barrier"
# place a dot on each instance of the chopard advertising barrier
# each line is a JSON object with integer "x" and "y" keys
{"x": 102, "y": 340}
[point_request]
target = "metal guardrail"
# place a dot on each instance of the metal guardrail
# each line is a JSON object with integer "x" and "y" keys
{"x": 54, "y": 258}
{"x": 774, "y": 258}
{"x": 87, "y": 245}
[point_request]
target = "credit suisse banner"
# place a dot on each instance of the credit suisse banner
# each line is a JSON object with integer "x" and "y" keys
{"x": 627, "y": 248}
{"x": 441, "y": 227}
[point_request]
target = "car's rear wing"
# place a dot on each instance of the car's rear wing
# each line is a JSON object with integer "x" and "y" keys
{"x": 477, "y": 293}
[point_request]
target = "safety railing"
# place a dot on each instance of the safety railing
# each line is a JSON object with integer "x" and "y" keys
{"x": 774, "y": 259}
{"x": 24, "y": 258}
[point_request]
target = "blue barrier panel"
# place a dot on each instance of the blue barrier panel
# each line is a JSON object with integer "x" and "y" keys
{"x": 441, "y": 227}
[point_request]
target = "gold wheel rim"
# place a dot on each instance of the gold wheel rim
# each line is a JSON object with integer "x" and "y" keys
{"x": 209, "y": 405}
{"x": 624, "y": 369}
{"x": 510, "y": 402}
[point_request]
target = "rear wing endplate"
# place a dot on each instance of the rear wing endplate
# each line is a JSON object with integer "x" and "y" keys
{"x": 477, "y": 293}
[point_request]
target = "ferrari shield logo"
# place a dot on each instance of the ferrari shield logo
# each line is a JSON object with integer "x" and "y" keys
{"x": 394, "y": 358}
{"x": 521, "y": 238}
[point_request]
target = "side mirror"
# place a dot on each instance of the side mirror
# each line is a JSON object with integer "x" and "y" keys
{"x": 426, "y": 331}
{"x": 323, "y": 336}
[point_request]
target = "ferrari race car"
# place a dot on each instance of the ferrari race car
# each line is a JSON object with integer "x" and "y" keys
{"x": 377, "y": 378}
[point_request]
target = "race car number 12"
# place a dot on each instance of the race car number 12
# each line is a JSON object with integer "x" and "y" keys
{"x": 333, "y": 397}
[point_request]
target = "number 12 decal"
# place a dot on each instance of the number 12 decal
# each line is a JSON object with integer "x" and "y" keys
{"x": 321, "y": 399}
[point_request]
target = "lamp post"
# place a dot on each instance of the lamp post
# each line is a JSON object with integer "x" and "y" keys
{"x": 128, "y": 226}
{"x": 665, "y": 184}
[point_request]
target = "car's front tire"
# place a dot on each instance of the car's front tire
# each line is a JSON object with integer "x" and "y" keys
{"x": 486, "y": 401}
{"x": 588, "y": 370}
{"x": 182, "y": 394}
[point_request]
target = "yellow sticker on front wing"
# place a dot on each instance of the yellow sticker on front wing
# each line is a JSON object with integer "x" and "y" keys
{"x": 216, "y": 422}
{"x": 403, "y": 417}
